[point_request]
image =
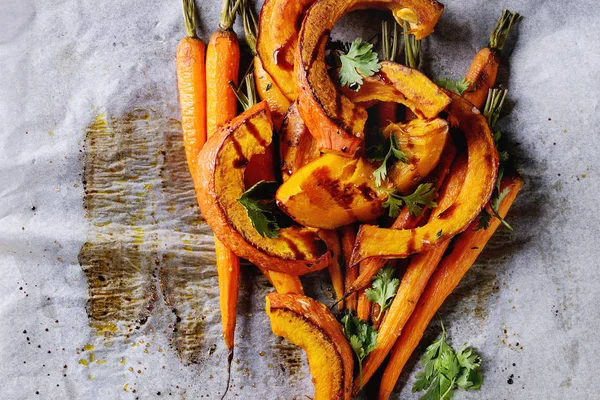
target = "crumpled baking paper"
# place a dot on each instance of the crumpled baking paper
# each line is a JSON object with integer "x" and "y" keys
{"x": 108, "y": 285}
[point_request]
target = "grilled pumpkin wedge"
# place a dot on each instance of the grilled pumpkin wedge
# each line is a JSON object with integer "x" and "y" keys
{"x": 310, "y": 325}
{"x": 220, "y": 175}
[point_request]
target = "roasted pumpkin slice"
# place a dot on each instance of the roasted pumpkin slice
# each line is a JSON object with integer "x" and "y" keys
{"x": 296, "y": 145}
{"x": 310, "y": 325}
{"x": 423, "y": 142}
{"x": 400, "y": 84}
{"x": 268, "y": 90}
{"x": 335, "y": 121}
{"x": 331, "y": 191}
{"x": 280, "y": 22}
{"x": 221, "y": 167}
{"x": 480, "y": 178}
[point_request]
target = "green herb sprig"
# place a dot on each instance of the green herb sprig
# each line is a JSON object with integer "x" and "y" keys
{"x": 444, "y": 370}
{"x": 259, "y": 202}
{"x": 424, "y": 195}
{"x": 386, "y": 151}
{"x": 360, "y": 60}
{"x": 457, "y": 87}
{"x": 362, "y": 337}
{"x": 384, "y": 288}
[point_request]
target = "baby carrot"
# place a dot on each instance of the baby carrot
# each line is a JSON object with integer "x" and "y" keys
{"x": 191, "y": 84}
{"x": 484, "y": 67}
{"x": 222, "y": 67}
{"x": 348, "y": 236}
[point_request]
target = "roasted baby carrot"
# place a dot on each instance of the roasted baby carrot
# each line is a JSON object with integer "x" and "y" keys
{"x": 191, "y": 84}
{"x": 348, "y": 236}
{"x": 484, "y": 67}
{"x": 467, "y": 246}
{"x": 332, "y": 240}
{"x": 415, "y": 278}
{"x": 222, "y": 67}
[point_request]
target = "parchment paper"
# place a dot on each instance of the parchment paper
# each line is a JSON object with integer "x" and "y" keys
{"x": 108, "y": 287}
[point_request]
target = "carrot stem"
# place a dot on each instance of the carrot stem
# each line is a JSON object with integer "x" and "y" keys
{"x": 189, "y": 17}
{"x": 412, "y": 48}
{"x": 502, "y": 29}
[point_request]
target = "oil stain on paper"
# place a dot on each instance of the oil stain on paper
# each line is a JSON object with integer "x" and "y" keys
{"x": 146, "y": 239}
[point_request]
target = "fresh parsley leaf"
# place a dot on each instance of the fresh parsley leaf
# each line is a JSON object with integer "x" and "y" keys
{"x": 445, "y": 370}
{"x": 383, "y": 289}
{"x": 484, "y": 220}
{"x": 362, "y": 337}
{"x": 424, "y": 195}
{"x": 457, "y": 87}
{"x": 259, "y": 202}
{"x": 394, "y": 151}
{"x": 359, "y": 60}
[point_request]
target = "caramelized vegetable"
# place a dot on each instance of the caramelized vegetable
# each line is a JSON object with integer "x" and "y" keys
{"x": 339, "y": 123}
{"x": 450, "y": 271}
{"x": 223, "y": 161}
{"x": 422, "y": 141}
{"x": 296, "y": 145}
{"x": 332, "y": 240}
{"x": 309, "y": 324}
{"x": 280, "y": 22}
{"x": 331, "y": 191}
{"x": 373, "y": 241}
{"x": 348, "y": 236}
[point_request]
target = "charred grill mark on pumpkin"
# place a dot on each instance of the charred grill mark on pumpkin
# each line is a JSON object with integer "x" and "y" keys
{"x": 241, "y": 161}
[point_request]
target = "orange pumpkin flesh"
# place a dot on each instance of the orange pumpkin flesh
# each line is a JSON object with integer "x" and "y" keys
{"x": 337, "y": 123}
{"x": 296, "y": 145}
{"x": 310, "y": 325}
{"x": 220, "y": 173}
{"x": 373, "y": 241}
{"x": 423, "y": 142}
{"x": 330, "y": 192}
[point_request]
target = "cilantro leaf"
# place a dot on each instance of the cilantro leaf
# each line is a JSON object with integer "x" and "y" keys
{"x": 359, "y": 60}
{"x": 484, "y": 220}
{"x": 259, "y": 202}
{"x": 383, "y": 289}
{"x": 393, "y": 151}
{"x": 424, "y": 195}
{"x": 457, "y": 87}
{"x": 445, "y": 370}
{"x": 362, "y": 337}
